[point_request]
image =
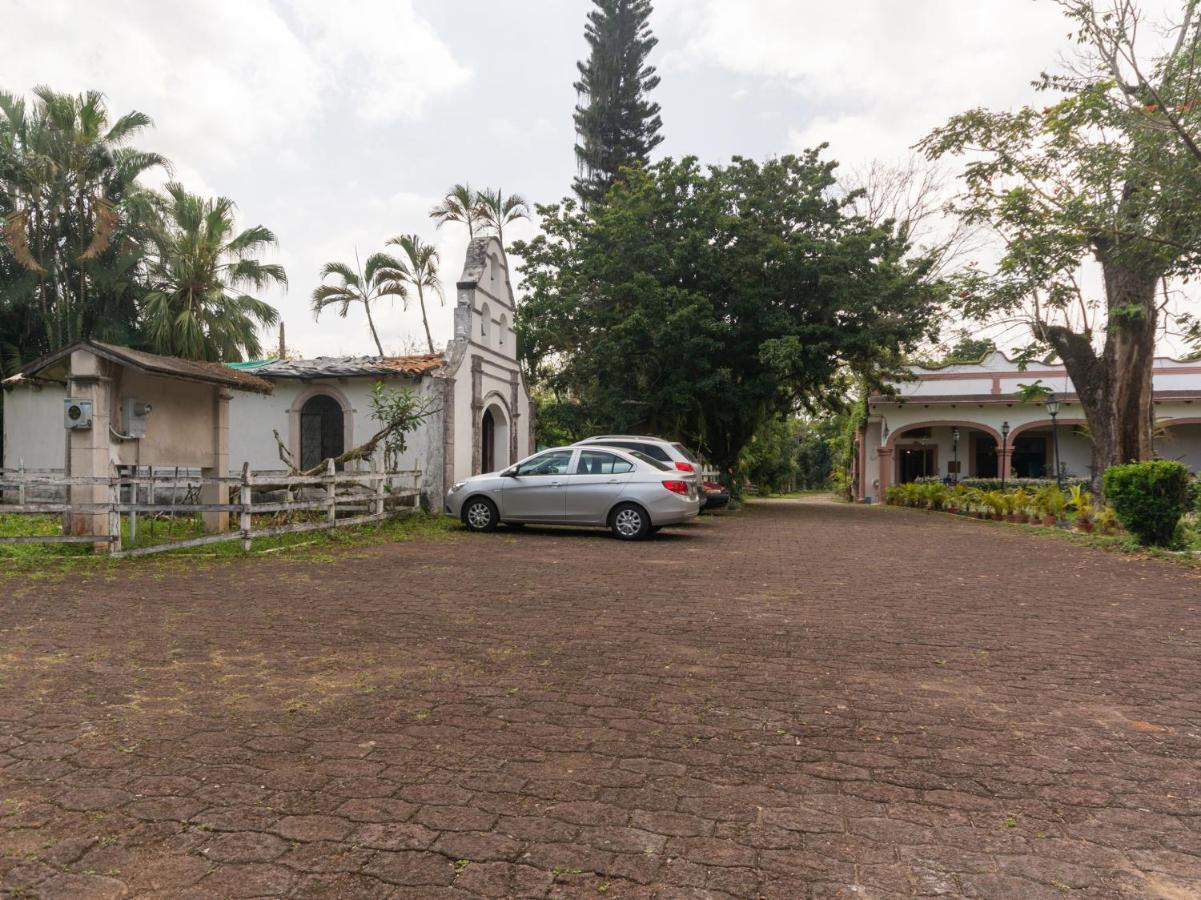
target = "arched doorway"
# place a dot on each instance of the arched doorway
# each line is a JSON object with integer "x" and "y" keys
{"x": 488, "y": 442}
{"x": 322, "y": 431}
{"x": 494, "y": 437}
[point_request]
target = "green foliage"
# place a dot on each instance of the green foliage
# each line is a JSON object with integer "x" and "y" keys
{"x": 770, "y": 459}
{"x": 1149, "y": 498}
{"x": 197, "y": 306}
{"x": 398, "y": 412}
{"x": 616, "y": 125}
{"x": 701, "y": 304}
{"x": 74, "y": 221}
{"x": 383, "y": 276}
{"x": 419, "y": 269}
{"x": 1036, "y": 392}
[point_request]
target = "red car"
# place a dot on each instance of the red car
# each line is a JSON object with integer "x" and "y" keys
{"x": 716, "y": 496}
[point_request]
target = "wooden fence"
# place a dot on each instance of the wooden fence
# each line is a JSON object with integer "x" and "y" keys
{"x": 335, "y": 499}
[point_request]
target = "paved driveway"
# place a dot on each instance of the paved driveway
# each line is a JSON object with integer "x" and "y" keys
{"x": 803, "y": 700}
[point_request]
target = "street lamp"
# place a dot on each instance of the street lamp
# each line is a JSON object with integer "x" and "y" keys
{"x": 1053, "y": 412}
{"x": 955, "y": 449}
{"x": 1004, "y": 442}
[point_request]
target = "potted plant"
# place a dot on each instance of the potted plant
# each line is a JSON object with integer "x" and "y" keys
{"x": 1082, "y": 503}
{"x": 1052, "y": 503}
{"x": 1020, "y": 499}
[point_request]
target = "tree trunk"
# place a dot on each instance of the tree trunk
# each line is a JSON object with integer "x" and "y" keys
{"x": 371, "y": 325}
{"x": 1130, "y": 356}
{"x": 1115, "y": 387}
{"x": 424, "y": 320}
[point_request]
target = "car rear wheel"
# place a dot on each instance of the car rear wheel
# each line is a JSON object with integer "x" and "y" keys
{"x": 629, "y": 522}
{"x": 480, "y": 514}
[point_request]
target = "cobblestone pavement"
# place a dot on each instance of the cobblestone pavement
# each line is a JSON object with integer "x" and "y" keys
{"x": 805, "y": 699}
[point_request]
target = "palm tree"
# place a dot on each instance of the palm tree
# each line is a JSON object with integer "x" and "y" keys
{"x": 73, "y": 218}
{"x": 461, "y": 204}
{"x": 381, "y": 277}
{"x": 496, "y": 210}
{"x": 197, "y": 306}
{"x": 421, "y": 271}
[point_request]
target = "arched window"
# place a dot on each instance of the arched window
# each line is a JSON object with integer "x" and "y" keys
{"x": 322, "y": 434}
{"x": 485, "y": 315}
{"x": 502, "y": 330}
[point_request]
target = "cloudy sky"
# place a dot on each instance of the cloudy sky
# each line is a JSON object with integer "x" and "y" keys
{"x": 339, "y": 124}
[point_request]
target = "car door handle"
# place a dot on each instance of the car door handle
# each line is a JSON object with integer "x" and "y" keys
{"x": 614, "y": 481}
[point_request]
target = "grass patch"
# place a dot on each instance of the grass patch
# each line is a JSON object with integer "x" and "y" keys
{"x": 52, "y": 559}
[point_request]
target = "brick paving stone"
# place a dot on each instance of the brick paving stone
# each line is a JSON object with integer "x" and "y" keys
{"x": 801, "y": 700}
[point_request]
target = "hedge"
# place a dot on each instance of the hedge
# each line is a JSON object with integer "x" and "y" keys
{"x": 1150, "y": 498}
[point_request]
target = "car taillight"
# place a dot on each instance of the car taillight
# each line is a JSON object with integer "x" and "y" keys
{"x": 685, "y": 467}
{"x": 676, "y": 487}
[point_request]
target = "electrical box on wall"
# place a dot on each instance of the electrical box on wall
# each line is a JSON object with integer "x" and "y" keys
{"x": 134, "y": 416}
{"x": 77, "y": 414}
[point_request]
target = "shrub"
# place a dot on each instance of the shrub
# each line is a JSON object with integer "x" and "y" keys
{"x": 1150, "y": 498}
{"x": 1030, "y": 484}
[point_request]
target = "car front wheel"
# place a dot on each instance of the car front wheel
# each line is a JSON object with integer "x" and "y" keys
{"x": 629, "y": 522}
{"x": 480, "y": 514}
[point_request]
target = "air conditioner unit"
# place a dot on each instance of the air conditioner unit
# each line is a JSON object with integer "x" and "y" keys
{"x": 77, "y": 414}
{"x": 135, "y": 414}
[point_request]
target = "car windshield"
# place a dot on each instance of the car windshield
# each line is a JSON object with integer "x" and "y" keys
{"x": 650, "y": 461}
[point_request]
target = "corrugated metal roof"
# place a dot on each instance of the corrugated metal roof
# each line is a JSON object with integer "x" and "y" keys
{"x": 351, "y": 367}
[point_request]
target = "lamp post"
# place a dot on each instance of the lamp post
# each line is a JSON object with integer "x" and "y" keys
{"x": 955, "y": 450}
{"x": 1003, "y": 461}
{"x": 1053, "y": 412}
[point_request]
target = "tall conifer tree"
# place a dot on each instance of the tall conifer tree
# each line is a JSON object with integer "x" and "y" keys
{"x": 617, "y": 125}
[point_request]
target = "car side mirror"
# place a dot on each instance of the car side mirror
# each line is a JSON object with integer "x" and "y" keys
{"x": 509, "y": 473}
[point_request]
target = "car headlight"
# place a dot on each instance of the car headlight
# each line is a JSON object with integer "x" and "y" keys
{"x": 457, "y": 486}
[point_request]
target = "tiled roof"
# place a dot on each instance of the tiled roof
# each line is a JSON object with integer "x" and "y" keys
{"x": 351, "y": 367}
{"x": 153, "y": 363}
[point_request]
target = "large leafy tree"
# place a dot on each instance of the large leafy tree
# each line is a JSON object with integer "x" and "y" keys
{"x": 381, "y": 276}
{"x": 419, "y": 268}
{"x": 701, "y": 303}
{"x": 197, "y": 305}
{"x": 74, "y": 221}
{"x": 616, "y": 124}
{"x": 1082, "y": 181}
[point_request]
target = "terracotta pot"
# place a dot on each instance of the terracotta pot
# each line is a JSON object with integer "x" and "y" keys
{"x": 1086, "y": 527}
{"x": 1021, "y": 518}
{"x": 1049, "y": 521}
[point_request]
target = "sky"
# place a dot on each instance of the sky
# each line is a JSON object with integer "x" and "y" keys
{"x": 338, "y": 125}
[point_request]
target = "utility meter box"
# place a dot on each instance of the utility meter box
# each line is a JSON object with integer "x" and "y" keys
{"x": 77, "y": 414}
{"x": 134, "y": 414}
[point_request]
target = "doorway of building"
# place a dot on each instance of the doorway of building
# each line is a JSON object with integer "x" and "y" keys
{"x": 488, "y": 442}
{"x": 917, "y": 462}
{"x": 1030, "y": 458}
{"x": 322, "y": 431}
{"x": 986, "y": 456}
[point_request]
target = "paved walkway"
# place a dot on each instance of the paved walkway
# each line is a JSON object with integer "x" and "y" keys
{"x": 803, "y": 700}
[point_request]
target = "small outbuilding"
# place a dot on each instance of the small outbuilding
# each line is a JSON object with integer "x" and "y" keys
{"x": 92, "y": 407}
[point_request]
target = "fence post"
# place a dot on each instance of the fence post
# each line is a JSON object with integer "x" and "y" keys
{"x": 331, "y": 491}
{"x": 21, "y": 482}
{"x": 133, "y": 513}
{"x": 377, "y": 463}
{"x": 114, "y": 516}
{"x": 245, "y": 497}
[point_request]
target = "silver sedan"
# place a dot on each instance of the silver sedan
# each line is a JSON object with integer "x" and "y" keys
{"x": 630, "y": 493}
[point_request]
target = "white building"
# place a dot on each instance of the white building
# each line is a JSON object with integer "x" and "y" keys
{"x": 957, "y": 414}
{"x": 483, "y": 418}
